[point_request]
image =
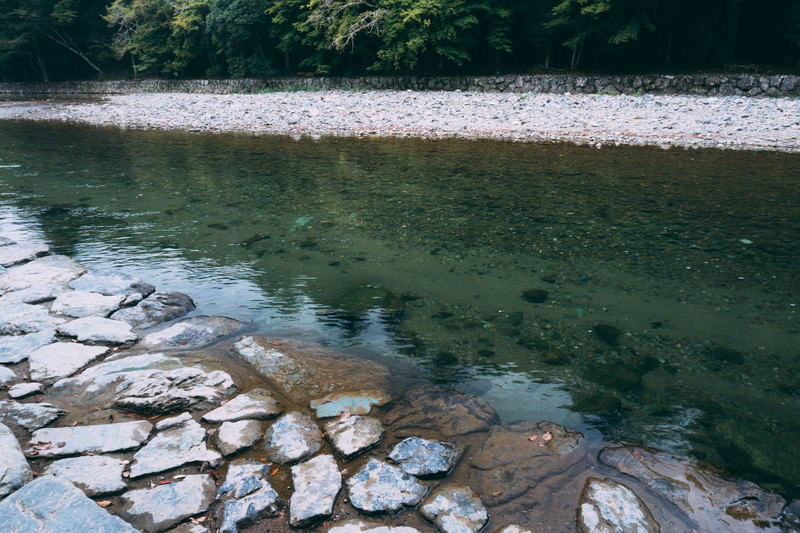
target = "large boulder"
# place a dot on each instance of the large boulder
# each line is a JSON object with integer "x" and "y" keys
{"x": 306, "y": 371}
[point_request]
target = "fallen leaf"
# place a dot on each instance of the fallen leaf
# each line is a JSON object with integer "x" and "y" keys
{"x": 541, "y": 445}
{"x": 275, "y": 471}
{"x": 42, "y": 445}
{"x": 74, "y": 424}
{"x": 636, "y": 453}
{"x": 497, "y": 493}
{"x": 275, "y": 343}
{"x": 533, "y": 437}
{"x": 126, "y": 473}
{"x": 165, "y": 482}
{"x": 104, "y": 503}
{"x": 547, "y": 436}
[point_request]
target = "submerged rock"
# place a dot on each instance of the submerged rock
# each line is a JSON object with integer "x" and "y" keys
{"x": 102, "y": 438}
{"x": 30, "y": 416}
{"x": 451, "y": 413}
{"x": 164, "y": 506}
{"x": 421, "y": 457}
{"x": 381, "y": 487}
{"x": 112, "y": 283}
{"x": 305, "y": 371}
{"x": 80, "y": 304}
{"x": 43, "y": 272}
{"x": 16, "y": 348}
{"x": 192, "y": 332}
{"x": 246, "y": 495}
{"x": 97, "y": 330}
{"x": 14, "y": 468}
{"x": 148, "y": 383}
{"x": 235, "y": 436}
{"x": 355, "y": 403}
{"x": 703, "y": 495}
{"x": 95, "y": 475}
{"x": 175, "y": 445}
{"x": 52, "y": 505}
{"x": 455, "y": 510}
{"x": 292, "y": 437}
{"x": 352, "y": 435}
{"x": 62, "y": 359}
{"x": 609, "y": 506}
{"x": 316, "y": 484}
{"x": 256, "y": 404}
{"x": 156, "y": 309}
{"x": 516, "y": 458}
{"x": 361, "y": 526}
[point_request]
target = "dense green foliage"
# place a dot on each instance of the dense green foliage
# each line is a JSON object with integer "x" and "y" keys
{"x": 63, "y": 39}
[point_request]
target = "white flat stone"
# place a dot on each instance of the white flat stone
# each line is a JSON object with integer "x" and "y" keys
{"x": 174, "y": 447}
{"x": 80, "y": 304}
{"x": 6, "y": 375}
{"x": 16, "y": 348}
{"x": 99, "y": 330}
{"x": 95, "y": 475}
{"x": 62, "y": 359}
{"x": 235, "y": 436}
{"x": 316, "y": 484}
{"x": 102, "y": 438}
{"x": 164, "y": 506}
{"x": 20, "y": 390}
{"x": 21, "y": 253}
{"x": 22, "y": 318}
{"x": 45, "y": 271}
{"x": 14, "y": 469}
{"x": 255, "y": 404}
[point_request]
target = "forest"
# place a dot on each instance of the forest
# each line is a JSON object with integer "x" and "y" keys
{"x": 48, "y": 40}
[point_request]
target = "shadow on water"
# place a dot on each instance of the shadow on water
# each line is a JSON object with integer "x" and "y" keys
{"x": 648, "y": 294}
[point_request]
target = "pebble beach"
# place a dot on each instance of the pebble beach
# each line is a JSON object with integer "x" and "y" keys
{"x": 735, "y": 122}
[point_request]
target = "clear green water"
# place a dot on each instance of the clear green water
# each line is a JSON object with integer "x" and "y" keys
{"x": 484, "y": 266}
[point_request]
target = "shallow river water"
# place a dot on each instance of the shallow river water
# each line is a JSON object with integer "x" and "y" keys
{"x": 629, "y": 293}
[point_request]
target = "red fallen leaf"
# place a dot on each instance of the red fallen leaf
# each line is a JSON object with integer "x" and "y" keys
{"x": 275, "y": 343}
{"x": 74, "y": 424}
{"x": 275, "y": 471}
{"x": 637, "y": 454}
{"x": 42, "y": 445}
{"x": 165, "y": 482}
{"x": 533, "y": 437}
{"x": 104, "y": 503}
{"x": 476, "y": 495}
{"x": 547, "y": 436}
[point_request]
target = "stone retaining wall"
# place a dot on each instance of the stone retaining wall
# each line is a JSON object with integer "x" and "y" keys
{"x": 694, "y": 84}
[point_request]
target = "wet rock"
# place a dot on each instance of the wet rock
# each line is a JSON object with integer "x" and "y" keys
{"x": 723, "y": 354}
{"x": 607, "y": 334}
{"x": 95, "y": 475}
{"x": 22, "y": 318}
{"x": 14, "y": 469}
{"x": 292, "y": 437}
{"x": 706, "y": 497}
{"x": 192, "y": 332}
{"x": 102, "y": 438}
{"x": 97, "y": 330}
{"x": 513, "y": 528}
{"x": 156, "y": 309}
{"x": 609, "y": 506}
{"x": 351, "y": 435}
{"x": 174, "y": 446}
{"x": 361, "y": 526}
{"x": 6, "y": 376}
{"x": 381, "y": 487}
{"x": 79, "y": 304}
{"x": 255, "y": 404}
{"x": 455, "y": 510}
{"x": 62, "y": 359}
{"x": 246, "y": 494}
{"x": 22, "y": 253}
{"x": 52, "y": 505}
{"x": 235, "y": 436}
{"x": 355, "y": 403}
{"x": 30, "y": 416}
{"x": 305, "y": 371}
{"x": 421, "y": 457}
{"x": 20, "y": 390}
{"x": 535, "y": 296}
{"x": 33, "y": 295}
{"x": 189, "y": 527}
{"x": 16, "y": 348}
{"x": 43, "y": 272}
{"x": 451, "y": 413}
{"x": 148, "y": 383}
{"x": 512, "y": 461}
{"x": 316, "y": 483}
{"x": 112, "y": 283}
{"x": 164, "y": 506}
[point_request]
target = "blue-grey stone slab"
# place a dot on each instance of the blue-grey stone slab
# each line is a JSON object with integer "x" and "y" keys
{"x": 316, "y": 483}
{"x": 157, "y": 308}
{"x": 351, "y": 435}
{"x": 98, "y": 330}
{"x": 62, "y": 359}
{"x": 22, "y": 253}
{"x": 246, "y": 494}
{"x": 292, "y": 437}
{"x": 255, "y": 404}
{"x": 110, "y": 282}
{"x": 233, "y": 437}
{"x": 192, "y": 332}
{"x": 20, "y": 390}
{"x": 80, "y": 304}
{"x": 381, "y": 487}
{"x": 607, "y": 505}
{"x": 6, "y": 375}
{"x": 30, "y": 416}
{"x": 45, "y": 271}
{"x": 16, "y": 348}
{"x": 355, "y": 403}
{"x": 14, "y": 468}
{"x": 455, "y": 509}
{"x": 95, "y": 475}
{"x": 421, "y": 457}
{"x": 101, "y": 438}
{"x": 178, "y": 445}
{"x": 164, "y": 506}
{"x": 52, "y": 505}
{"x": 22, "y": 318}
{"x": 362, "y": 526}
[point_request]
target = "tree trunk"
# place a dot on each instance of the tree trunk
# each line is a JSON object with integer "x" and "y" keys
{"x": 41, "y": 64}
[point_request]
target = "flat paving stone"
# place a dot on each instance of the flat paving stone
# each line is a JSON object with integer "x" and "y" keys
{"x": 20, "y": 390}
{"x": 422, "y": 457}
{"x": 6, "y": 376}
{"x": 173, "y": 447}
{"x": 98, "y": 330}
{"x": 255, "y": 404}
{"x": 156, "y": 309}
{"x": 111, "y": 283}
{"x": 101, "y": 438}
{"x": 80, "y": 304}
{"x": 45, "y": 271}
{"x": 381, "y": 487}
{"x": 355, "y": 403}
{"x": 16, "y": 348}
{"x": 606, "y": 505}
{"x": 361, "y": 526}
{"x": 62, "y": 359}
{"x": 455, "y": 509}
{"x": 23, "y": 318}
{"x": 246, "y": 495}
{"x": 52, "y": 505}
{"x": 292, "y": 437}
{"x": 352, "y": 435}
{"x": 95, "y": 475}
{"x": 164, "y": 506}
{"x": 14, "y": 468}
{"x": 21, "y": 253}
{"x": 192, "y": 332}
{"x": 30, "y": 416}
{"x": 316, "y": 484}
{"x": 233, "y": 437}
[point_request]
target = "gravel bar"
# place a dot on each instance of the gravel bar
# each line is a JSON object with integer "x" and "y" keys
{"x": 666, "y": 121}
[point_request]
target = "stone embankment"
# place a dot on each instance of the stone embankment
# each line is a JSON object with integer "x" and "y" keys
{"x": 122, "y": 409}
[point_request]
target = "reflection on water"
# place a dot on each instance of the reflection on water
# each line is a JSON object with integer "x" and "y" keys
{"x": 650, "y": 295}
